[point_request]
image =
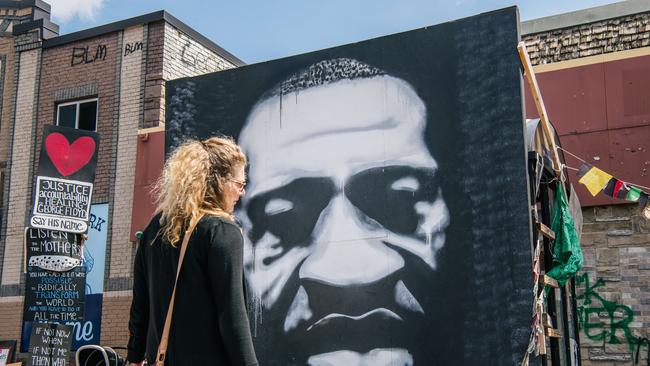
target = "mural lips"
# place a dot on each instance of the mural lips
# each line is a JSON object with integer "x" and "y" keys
{"x": 373, "y": 319}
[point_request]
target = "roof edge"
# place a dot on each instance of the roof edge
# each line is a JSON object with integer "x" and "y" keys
{"x": 203, "y": 39}
{"x": 142, "y": 19}
{"x": 585, "y": 16}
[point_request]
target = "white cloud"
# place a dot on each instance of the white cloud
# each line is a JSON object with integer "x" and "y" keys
{"x": 65, "y": 10}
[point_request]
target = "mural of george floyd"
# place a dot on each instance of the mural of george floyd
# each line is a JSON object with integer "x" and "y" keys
{"x": 386, "y": 216}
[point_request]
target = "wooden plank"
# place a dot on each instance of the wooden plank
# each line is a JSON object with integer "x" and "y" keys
{"x": 541, "y": 108}
{"x": 549, "y": 281}
{"x": 552, "y": 332}
{"x": 546, "y": 231}
{"x": 547, "y": 321}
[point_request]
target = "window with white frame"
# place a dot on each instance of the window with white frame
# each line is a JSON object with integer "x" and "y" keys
{"x": 81, "y": 114}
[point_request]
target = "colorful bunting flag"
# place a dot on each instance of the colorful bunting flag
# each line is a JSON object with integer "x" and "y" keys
{"x": 584, "y": 168}
{"x": 595, "y": 180}
{"x": 622, "y": 191}
{"x": 609, "y": 188}
{"x": 643, "y": 200}
{"x": 634, "y": 194}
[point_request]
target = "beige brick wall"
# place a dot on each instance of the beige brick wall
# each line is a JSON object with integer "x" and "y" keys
{"x": 115, "y": 318}
{"x": 616, "y": 247}
{"x": 182, "y": 56}
{"x": 11, "y": 315}
{"x": 129, "y": 117}
{"x": 19, "y": 197}
{"x": 591, "y": 39}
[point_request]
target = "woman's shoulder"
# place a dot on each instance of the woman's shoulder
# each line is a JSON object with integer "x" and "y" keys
{"x": 154, "y": 223}
{"x": 216, "y": 224}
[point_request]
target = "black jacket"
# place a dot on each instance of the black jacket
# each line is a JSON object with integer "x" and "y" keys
{"x": 210, "y": 323}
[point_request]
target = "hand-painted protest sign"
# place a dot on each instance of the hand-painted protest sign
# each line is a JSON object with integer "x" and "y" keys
{"x": 54, "y": 296}
{"x": 50, "y": 345}
{"x": 53, "y": 250}
{"x": 64, "y": 184}
{"x": 87, "y": 330}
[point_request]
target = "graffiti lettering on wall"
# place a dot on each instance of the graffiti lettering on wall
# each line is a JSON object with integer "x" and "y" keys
{"x": 86, "y": 55}
{"x": 130, "y": 48}
{"x": 192, "y": 57}
{"x": 603, "y": 320}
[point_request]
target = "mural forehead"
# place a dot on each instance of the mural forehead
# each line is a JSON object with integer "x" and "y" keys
{"x": 316, "y": 131}
{"x": 375, "y": 211}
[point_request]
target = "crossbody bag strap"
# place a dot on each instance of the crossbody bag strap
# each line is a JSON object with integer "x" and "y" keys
{"x": 162, "y": 347}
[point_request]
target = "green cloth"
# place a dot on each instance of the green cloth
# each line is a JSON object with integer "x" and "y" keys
{"x": 567, "y": 255}
{"x": 634, "y": 194}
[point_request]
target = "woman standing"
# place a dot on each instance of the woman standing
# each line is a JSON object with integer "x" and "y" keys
{"x": 200, "y": 185}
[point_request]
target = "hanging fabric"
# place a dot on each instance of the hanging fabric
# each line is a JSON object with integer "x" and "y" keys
{"x": 567, "y": 255}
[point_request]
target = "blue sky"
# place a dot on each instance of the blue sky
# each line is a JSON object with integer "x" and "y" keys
{"x": 261, "y": 30}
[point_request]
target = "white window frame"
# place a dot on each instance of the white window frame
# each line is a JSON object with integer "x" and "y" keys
{"x": 76, "y": 116}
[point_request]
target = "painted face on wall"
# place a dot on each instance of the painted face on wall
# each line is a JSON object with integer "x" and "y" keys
{"x": 343, "y": 218}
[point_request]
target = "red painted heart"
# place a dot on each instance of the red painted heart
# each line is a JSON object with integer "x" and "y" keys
{"x": 68, "y": 158}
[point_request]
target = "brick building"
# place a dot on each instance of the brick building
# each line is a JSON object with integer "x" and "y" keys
{"x": 593, "y": 69}
{"x": 110, "y": 79}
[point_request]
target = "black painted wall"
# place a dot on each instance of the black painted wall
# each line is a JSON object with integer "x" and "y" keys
{"x": 386, "y": 217}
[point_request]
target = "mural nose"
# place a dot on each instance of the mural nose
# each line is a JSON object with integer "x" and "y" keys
{"x": 348, "y": 249}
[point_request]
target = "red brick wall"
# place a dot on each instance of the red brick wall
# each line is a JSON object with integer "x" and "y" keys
{"x": 154, "y": 84}
{"x": 57, "y": 73}
{"x": 7, "y": 49}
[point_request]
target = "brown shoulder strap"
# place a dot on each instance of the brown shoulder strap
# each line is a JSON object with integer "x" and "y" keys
{"x": 162, "y": 347}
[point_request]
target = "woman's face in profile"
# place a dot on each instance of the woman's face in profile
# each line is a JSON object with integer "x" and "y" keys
{"x": 234, "y": 187}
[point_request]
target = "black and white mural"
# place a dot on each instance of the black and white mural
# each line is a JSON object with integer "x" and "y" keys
{"x": 385, "y": 217}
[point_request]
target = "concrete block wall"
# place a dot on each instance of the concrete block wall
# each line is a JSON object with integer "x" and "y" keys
{"x": 614, "y": 285}
{"x": 612, "y": 35}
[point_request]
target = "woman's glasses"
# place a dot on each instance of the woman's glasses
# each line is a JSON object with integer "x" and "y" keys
{"x": 240, "y": 184}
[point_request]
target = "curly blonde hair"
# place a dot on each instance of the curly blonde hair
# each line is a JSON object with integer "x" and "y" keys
{"x": 191, "y": 184}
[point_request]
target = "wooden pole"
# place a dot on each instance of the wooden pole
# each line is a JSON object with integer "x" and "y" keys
{"x": 541, "y": 109}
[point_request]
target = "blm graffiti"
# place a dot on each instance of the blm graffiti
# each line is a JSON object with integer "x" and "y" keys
{"x": 378, "y": 229}
{"x": 87, "y": 55}
{"x": 65, "y": 178}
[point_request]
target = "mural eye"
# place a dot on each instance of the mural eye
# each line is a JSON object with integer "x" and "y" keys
{"x": 410, "y": 184}
{"x": 277, "y": 205}
{"x": 290, "y": 212}
{"x": 389, "y": 195}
